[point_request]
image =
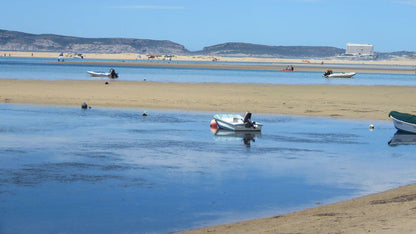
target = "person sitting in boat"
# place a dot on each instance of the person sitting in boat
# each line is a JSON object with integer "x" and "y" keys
{"x": 113, "y": 73}
{"x": 328, "y": 72}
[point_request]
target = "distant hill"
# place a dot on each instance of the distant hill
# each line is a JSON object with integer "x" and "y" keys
{"x": 19, "y": 41}
{"x": 238, "y": 49}
{"x": 11, "y": 40}
{"x": 397, "y": 54}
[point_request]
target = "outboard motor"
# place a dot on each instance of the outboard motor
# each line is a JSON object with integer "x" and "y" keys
{"x": 247, "y": 120}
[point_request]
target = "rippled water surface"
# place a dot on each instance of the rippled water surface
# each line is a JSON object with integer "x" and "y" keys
{"x": 63, "y": 169}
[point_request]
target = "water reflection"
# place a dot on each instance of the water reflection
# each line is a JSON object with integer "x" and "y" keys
{"x": 402, "y": 138}
{"x": 245, "y": 136}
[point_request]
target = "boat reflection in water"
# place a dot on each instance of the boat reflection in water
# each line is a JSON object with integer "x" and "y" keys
{"x": 247, "y": 137}
{"x": 402, "y": 138}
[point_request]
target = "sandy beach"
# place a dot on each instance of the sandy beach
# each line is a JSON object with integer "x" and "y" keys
{"x": 388, "y": 212}
{"x": 393, "y": 211}
{"x": 358, "y": 102}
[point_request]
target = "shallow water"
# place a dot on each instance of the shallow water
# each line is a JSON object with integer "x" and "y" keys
{"x": 64, "y": 169}
{"x": 47, "y": 69}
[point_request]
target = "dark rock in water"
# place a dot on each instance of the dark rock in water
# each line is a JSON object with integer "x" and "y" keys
{"x": 84, "y": 106}
{"x": 144, "y": 113}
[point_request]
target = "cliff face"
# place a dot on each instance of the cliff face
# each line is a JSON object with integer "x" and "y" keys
{"x": 19, "y": 41}
{"x": 11, "y": 40}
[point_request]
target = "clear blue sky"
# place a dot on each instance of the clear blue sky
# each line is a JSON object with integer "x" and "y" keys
{"x": 387, "y": 24}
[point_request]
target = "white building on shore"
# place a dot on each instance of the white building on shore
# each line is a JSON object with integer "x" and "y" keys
{"x": 359, "y": 51}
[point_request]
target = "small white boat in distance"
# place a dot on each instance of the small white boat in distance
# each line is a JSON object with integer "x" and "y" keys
{"x": 330, "y": 74}
{"x": 234, "y": 122}
{"x": 111, "y": 75}
{"x": 403, "y": 122}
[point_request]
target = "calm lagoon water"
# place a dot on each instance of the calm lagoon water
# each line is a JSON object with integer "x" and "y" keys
{"x": 64, "y": 169}
{"x": 44, "y": 69}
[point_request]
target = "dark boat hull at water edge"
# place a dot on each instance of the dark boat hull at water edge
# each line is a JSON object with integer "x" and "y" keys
{"x": 404, "y": 122}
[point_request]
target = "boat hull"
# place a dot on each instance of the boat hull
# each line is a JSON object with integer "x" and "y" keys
{"x": 403, "y": 126}
{"x": 340, "y": 75}
{"x": 237, "y": 127}
{"x": 99, "y": 74}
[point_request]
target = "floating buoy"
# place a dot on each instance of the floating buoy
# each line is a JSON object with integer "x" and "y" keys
{"x": 84, "y": 105}
{"x": 213, "y": 124}
{"x": 371, "y": 127}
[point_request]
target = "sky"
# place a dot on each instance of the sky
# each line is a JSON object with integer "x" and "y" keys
{"x": 386, "y": 24}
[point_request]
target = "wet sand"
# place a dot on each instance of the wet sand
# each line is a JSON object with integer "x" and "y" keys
{"x": 393, "y": 211}
{"x": 358, "y": 102}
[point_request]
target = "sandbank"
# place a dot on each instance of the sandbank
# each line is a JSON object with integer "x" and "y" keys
{"x": 393, "y": 211}
{"x": 343, "y": 101}
{"x": 252, "y": 66}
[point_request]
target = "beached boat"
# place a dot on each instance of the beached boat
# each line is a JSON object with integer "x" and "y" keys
{"x": 78, "y": 56}
{"x": 403, "y": 122}
{"x": 103, "y": 74}
{"x": 234, "y": 122}
{"x": 330, "y": 74}
{"x": 288, "y": 69}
